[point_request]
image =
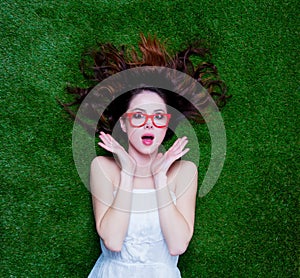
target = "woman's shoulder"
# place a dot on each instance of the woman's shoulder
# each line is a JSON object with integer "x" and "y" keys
{"x": 184, "y": 174}
{"x": 105, "y": 164}
{"x": 181, "y": 171}
{"x": 184, "y": 165}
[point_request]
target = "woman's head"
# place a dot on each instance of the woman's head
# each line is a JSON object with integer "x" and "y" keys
{"x": 145, "y": 108}
{"x": 145, "y": 121}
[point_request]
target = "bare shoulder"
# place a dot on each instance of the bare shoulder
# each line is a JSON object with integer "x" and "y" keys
{"x": 183, "y": 166}
{"x": 184, "y": 175}
{"x": 103, "y": 161}
{"x": 105, "y": 165}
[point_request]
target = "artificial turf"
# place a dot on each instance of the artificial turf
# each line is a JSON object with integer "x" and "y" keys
{"x": 247, "y": 226}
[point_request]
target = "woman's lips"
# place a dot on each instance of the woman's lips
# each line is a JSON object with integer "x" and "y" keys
{"x": 147, "y": 139}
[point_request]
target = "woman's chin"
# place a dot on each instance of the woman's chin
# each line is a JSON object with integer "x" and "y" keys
{"x": 143, "y": 149}
{"x": 150, "y": 149}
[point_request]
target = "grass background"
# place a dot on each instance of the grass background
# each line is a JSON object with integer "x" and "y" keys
{"x": 247, "y": 226}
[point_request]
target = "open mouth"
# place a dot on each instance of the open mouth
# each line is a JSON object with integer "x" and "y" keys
{"x": 147, "y": 139}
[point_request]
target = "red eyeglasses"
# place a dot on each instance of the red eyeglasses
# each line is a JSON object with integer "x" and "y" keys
{"x": 138, "y": 119}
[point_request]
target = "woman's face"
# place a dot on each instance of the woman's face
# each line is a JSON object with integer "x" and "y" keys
{"x": 146, "y": 138}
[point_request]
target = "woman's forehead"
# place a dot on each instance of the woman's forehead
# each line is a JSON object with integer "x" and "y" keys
{"x": 147, "y": 100}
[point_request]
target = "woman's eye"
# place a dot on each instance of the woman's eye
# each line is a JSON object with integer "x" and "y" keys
{"x": 159, "y": 116}
{"x": 137, "y": 115}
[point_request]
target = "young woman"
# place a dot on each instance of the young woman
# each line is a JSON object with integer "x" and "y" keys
{"x": 144, "y": 242}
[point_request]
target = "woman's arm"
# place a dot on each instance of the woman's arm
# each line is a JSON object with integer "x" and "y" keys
{"x": 111, "y": 213}
{"x": 177, "y": 221}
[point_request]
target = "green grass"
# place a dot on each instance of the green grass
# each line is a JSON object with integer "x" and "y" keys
{"x": 247, "y": 226}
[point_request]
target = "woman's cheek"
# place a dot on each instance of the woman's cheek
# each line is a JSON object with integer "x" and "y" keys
{"x": 161, "y": 136}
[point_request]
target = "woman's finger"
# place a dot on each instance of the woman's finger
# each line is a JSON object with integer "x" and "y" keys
{"x": 108, "y": 142}
{"x": 178, "y": 147}
{"x": 179, "y": 155}
{"x": 183, "y": 143}
{"x": 179, "y": 143}
{"x": 183, "y": 153}
{"x": 104, "y": 146}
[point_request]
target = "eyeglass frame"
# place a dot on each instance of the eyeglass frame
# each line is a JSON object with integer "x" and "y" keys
{"x": 147, "y": 116}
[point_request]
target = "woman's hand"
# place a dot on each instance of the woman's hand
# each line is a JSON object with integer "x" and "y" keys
{"x": 162, "y": 162}
{"x": 127, "y": 163}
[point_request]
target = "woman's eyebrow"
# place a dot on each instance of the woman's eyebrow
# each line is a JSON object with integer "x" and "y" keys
{"x": 139, "y": 109}
{"x": 144, "y": 111}
{"x": 159, "y": 110}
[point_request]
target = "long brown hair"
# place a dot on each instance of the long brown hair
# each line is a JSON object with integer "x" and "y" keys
{"x": 108, "y": 60}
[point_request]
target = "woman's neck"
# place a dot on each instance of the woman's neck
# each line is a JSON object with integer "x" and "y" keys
{"x": 143, "y": 162}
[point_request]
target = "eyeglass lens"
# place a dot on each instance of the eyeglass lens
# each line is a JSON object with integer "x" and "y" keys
{"x": 139, "y": 119}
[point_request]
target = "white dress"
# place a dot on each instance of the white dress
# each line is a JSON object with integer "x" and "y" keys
{"x": 144, "y": 253}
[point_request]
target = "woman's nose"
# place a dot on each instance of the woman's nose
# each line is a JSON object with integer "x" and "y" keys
{"x": 149, "y": 124}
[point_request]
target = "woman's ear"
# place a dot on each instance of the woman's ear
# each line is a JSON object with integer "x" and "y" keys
{"x": 123, "y": 125}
